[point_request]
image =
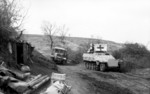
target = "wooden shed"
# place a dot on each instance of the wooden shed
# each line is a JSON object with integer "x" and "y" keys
{"x": 20, "y": 51}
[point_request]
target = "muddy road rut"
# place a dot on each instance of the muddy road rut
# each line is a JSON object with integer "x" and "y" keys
{"x": 85, "y": 81}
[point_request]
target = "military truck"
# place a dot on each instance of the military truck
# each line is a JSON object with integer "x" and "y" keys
{"x": 59, "y": 55}
{"x": 98, "y": 58}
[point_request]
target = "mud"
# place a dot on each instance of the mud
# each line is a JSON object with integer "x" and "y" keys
{"x": 85, "y": 81}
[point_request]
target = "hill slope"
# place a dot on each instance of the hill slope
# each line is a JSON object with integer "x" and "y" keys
{"x": 40, "y": 43}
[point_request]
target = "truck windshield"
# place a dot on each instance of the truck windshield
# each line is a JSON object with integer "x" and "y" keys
{"x": 62, "y": 52}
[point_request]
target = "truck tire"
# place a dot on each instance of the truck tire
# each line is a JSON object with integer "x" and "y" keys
{"x": 102, "y": 67}
{"x": 64, "y": 62}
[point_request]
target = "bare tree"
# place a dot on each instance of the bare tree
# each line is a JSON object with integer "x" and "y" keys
{"x": 9, "y": 19}
{"x": 49, "y": 31}
{"x": 63, "y": 32}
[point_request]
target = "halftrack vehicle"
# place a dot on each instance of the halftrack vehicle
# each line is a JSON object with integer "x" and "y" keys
{"x": 59, "y": 55}
{"x": 98, "y": 58}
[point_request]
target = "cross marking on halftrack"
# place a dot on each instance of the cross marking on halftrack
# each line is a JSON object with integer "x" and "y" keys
{"x": 100, "y": 47}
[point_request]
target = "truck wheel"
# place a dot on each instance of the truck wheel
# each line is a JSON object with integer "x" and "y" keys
{"x": 64, "y": 62}
{"x": 102, "y": 67}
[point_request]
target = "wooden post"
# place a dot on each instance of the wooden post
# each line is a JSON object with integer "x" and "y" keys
{"x": 24, "y": 53}
{"x": 15, "y": 51}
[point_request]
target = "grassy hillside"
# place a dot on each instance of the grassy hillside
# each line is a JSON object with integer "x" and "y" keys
{"x": 40, "y": 43}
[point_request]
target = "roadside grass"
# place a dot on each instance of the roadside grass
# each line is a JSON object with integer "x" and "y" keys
{"x": 134, "y": 55}
{"x": 42, "y": 65}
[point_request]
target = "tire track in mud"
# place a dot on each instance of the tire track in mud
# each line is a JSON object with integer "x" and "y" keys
{"x": 119, "y": 83}
{"x": 79, "y": 84}
{"x": 94, "y": 82}
{"x": 101, "y": 86}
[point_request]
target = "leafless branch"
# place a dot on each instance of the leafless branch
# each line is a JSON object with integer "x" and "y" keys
{"x": 9, "y": 16}
{"x": 49, "y": 31}
{"x": 63, "y": 32}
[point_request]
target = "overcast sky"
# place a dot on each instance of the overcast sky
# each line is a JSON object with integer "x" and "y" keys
{"x": 115, "y": 20}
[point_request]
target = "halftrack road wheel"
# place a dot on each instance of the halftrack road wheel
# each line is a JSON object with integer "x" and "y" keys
{"x": 86, "y": 65}
{"x": 102, "y": 67}
{"x": 90, "y": 65}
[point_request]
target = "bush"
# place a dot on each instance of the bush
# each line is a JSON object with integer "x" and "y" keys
{"x": 134, "y": 56}
{"x": 128, "y": 64}
{"x": 9, "y": 17}
{"x": 117, "y": 54}
{"x": 75, "y": 56}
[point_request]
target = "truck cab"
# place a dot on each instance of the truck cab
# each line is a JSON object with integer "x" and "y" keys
{"x": 59, "y": 55}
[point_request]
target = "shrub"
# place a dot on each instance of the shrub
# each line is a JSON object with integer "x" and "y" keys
{"x": 75, "y": 56}
{"x": 134, "y": 55}
{"x": 9, "y": 17}
{"x": 117, "y": 54}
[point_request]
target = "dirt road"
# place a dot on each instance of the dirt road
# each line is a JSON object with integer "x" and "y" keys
{"x": 79, "y": 84}
{"x": 85, "y": 81}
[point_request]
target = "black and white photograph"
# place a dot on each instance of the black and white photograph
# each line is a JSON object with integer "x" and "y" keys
{"x": 74, "y": 46}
